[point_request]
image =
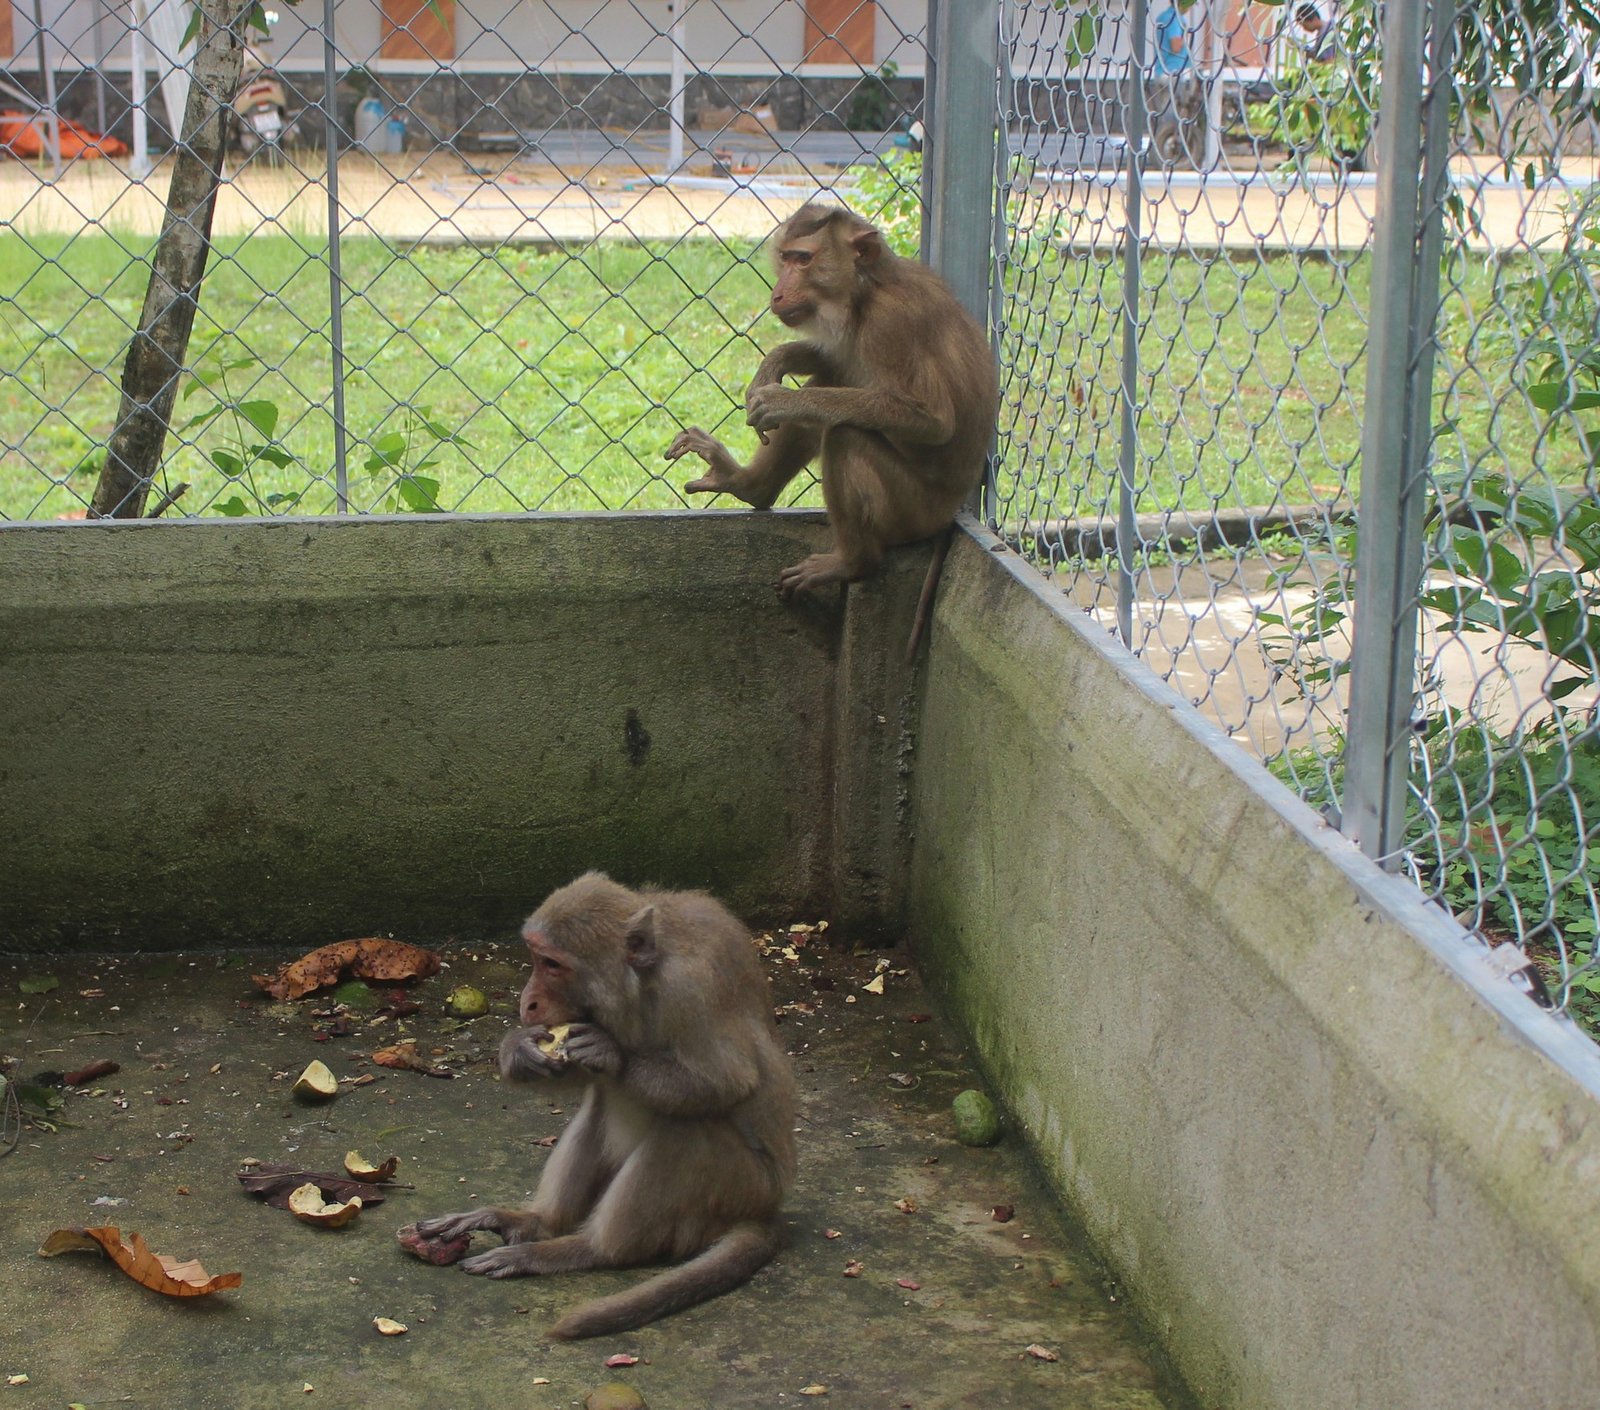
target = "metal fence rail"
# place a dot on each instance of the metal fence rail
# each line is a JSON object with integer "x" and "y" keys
{"x": 1262, "y": 276}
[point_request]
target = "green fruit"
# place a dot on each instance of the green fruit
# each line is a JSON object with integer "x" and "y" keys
{"x": 977, "y": 1121}
{"x": 466, "y": 1002}
{"x": 355, "y": 994}
{"x": 614, "y": 1396}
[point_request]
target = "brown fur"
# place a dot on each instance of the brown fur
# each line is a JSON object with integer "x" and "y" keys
{"x": 899, "y": 400}
{"x": 683, "y": 1148}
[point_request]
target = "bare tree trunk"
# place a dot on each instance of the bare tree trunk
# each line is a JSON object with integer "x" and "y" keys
{"x": 156, "y": 356}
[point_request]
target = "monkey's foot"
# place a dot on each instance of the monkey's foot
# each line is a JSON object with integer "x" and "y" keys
{"x": 511, "y": 1261}
{"x": 811, "y": 573}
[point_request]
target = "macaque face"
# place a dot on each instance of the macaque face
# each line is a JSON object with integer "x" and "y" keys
{"x": 549, "y": 996}
{"x": 793, "y": 296}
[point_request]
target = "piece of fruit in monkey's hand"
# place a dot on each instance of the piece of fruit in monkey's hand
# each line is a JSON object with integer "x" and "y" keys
{"x": 553, "y": 1045}
{"x": 440, "y": 1251}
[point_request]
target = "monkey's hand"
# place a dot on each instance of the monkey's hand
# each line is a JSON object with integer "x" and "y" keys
{"x": 453, "y": 1226}
{"x": 508, "y": 1261}
{"x": 724, "y": 473}
{"x": 767, "y": 408}
{"x": 522, "y": 1059}
{"x": 593, "y": 1049}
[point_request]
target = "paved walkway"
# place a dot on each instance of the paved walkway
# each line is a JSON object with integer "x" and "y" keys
{"x": 609, "y": 186}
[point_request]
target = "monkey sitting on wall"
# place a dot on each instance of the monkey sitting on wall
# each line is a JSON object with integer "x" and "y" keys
{"x": 900, "y": 399}
{"x": 683, "y": 1147}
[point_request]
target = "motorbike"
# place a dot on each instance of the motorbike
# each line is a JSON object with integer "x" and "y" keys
{"x": 260, "y": 103}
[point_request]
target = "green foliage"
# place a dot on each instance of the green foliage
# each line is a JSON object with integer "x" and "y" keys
{"x": 889, "y": 194}
{"x": 253, "y": 422}
{"x": 1507, "y": 838}
{"x": 873, "y": 107}
{"x": 395, "y": 463}
{"x": 1316, "y": 111}
{"x": 1551, "y": 303}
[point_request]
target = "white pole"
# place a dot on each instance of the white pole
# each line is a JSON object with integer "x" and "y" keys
{"x": 677, "y": 33}
{"x": 141, "y": 124}
{"x": 47, "y": 79}
{"x": 1216, "y": 23}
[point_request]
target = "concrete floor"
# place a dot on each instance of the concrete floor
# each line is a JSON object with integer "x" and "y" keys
{"x": 206, "y": 1064}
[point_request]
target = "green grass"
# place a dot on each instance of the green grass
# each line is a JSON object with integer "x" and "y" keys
{"x": 567, "y": 373}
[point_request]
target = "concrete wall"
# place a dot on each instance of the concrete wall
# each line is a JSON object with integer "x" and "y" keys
{"x": 1335, "y": 1163}
{"x": 296, "y": 731}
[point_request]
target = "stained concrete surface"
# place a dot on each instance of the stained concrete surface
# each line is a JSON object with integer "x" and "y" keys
{"x": 206, "y": 1064}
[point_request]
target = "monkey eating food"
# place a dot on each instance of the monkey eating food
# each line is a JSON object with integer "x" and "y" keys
{"x": 899, "y": 400}
{"x": 683, "y": 1147}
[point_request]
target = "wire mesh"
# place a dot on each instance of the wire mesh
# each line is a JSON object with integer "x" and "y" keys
{"x": 493, "y": 256}
{"x": 533, "y": 255}
{"x": 1184, "y": 316}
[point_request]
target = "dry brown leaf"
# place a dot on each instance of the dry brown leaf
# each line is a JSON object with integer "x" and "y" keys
{"x": 275, "y": 1182}
{"x": 406, "y": 1057}
{"x": 906, "y": 1205}
{"x": 1041, "y": 1353}
{"x": 854, "y": 1268}
{"x": 372, "y": 958}
{"x": 173, "y": 1277}
{"x": 1003, "y": 1213}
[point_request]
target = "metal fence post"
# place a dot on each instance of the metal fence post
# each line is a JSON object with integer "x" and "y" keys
{"x": 1395, "y": 437}
{"x": 964, "y": 52}
{"x": 330, "y": 112}
{"x": 959, "y": 170}
{"x": 1134, "y": 134}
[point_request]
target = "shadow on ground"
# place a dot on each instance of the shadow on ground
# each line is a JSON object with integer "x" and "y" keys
{"x": 946, "y": 1302}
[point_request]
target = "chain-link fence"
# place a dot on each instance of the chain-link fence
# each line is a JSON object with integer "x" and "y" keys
{"x": 1262, "y": 273}
{"x": 1243, "y": 324}
{"x": 468, "y": 258}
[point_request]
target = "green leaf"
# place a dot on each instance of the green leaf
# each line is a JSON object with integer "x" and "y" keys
{"x": 387, "y": 451}
{"x": 192, "y": 31}
{"x": 234, "y": 508}
{"x": 263, "y": 415}
{"x": 283, "y": 501}
{"x": 1561, "y": 396}
{"x": 227, "y": 462}
{"x": 419, "y": 493}
{"x": 275, "y": 455}
{"x": 37, "y": 983}
{"x": 1085, "y": 38}
{"x": 201, "y": 419}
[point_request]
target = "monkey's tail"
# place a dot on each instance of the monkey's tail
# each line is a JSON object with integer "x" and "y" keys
{"x": 930, "y": 584}
{"x": 731, "y": 1260}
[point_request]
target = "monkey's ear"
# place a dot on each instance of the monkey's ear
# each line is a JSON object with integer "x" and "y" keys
{"x": 868, "y": 245}
{"x": 639, "y": 939}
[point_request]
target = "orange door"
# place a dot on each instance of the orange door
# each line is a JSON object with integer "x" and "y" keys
{"x": 841, "y": 32}
{"x": 416, "y": 29}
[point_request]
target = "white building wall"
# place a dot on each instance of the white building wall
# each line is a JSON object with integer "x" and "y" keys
{"x": 723, "y": 36}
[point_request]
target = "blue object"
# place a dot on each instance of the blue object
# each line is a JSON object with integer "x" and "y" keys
{"x": 1170, "y": 32}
